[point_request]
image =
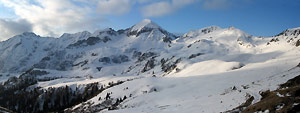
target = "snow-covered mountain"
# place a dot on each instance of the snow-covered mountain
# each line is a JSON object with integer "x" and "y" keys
{"x": 144, "y": 69}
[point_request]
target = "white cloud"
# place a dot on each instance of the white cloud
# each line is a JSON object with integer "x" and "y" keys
{"x": 117, "y": 7}
{"x": 9, "y": 28}
{"x": 54, "y": 17}
{"x": 165, "y": 7}
{"x": 157, "y": 9}
{"x": 114, "y": 6}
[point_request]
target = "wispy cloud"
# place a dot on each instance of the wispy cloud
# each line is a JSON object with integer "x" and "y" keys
{"x": 116, "y": 7}
{"x": 222, "y": 4}
{"x": 157, "y": 9}
{"x": 165, "y": 7}
{"x": 216, "y": 4}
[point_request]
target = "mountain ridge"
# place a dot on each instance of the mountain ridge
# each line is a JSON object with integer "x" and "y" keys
{"x": 145, "y": 69}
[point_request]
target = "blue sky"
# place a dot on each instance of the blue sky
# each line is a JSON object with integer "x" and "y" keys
{"x": 54, "y": 17}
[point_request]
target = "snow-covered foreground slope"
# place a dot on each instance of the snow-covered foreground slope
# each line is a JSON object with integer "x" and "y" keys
{"x": 144, "y": 69}
{"x": 195, "y": 90}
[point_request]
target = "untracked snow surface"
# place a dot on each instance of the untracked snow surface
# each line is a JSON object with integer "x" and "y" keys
{"x": 203, "y": 87}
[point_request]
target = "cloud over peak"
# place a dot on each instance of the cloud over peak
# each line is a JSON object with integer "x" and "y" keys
{"x": 9, "y": 28}
{"x": 54, "y": 17}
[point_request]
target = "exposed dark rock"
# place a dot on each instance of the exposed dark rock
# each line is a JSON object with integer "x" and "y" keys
{"x": 118, "y": 59}
{"x": 94, "y": 54}
{"x": 137, "y": 33}
{"x": 57, "y": 60}
{"x": 34, "y": 73}
{"x": 292, "y": 82}
{"x": 106, "y": 39}
{"x": 195, "y": 55}
{"x": 274, "y": 40}
{"x": 298, "y": 43}
{"x": 46, "y": 58}
{"x": 81, "y": 63}
{"x": 65, "y": 64}
{"x": 167, "y": 39}
{"x": 89, "y": 42}
{"x": 149, "y": 65}
{"x": 146, "y": 55}
{"x": 238, "y": 66}
{"x": 293, "y": 33}
{"x": 105, "y": 60}
{"x": 121, "y": 31}
{"x": 99, "y": 68}
{"x": 242, "y": 106}
{"x": 85, "y": 42}
{"x": 167, "y": 67}
{"x": 136, "y": 54}
{"x": 167, "y": 36}
{"x": 109, "y": 31}
{"x": 288, "y": 102}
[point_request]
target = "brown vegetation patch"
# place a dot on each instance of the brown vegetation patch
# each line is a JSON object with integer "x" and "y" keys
{"x": 286, "y": 99}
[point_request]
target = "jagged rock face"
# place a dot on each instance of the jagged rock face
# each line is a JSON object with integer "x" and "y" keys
{"x": 291, "y": 36}
{"x": 149, "y": 65}
{"x": 119, "y": 59}
{"x": 108, "y": 31}
{"x": 116, "y": 59}
{"x": 38, "y": 52}
{"x": 58, "y": 60}
{"x": 151, "y": 29}
{"x": 201, "y": 31}
{"x": 44, "y": 53}
{"x": 19, "y": 53}
{"x": 195, "y": 55}
{"x": 89, "y": 42}
{"x": 290, "y": 32}
{"x": 144, "y": 56}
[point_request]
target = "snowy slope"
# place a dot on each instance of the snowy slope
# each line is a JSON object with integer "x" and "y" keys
{"x": 209, "y": 85}
{"x": 20, "y": 52}
{"x": 207, "y": 93}
{"x": 207, "y": 70}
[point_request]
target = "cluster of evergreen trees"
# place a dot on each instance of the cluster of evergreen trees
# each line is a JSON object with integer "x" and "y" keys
{"x": 17, "y": 95}
{"x": 46, "y": 100}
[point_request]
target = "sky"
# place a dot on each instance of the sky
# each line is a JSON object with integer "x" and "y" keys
{"x": 55, "y": 17}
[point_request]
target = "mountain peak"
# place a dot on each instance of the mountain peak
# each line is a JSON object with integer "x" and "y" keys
{"x": 291, "y": 31}
{"x": 146, "y": 23}
{"x": 28, "y": 34}
{"x": 202, "y": 31}
{"x": 147, "y": 20}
